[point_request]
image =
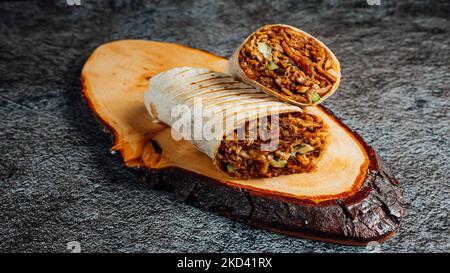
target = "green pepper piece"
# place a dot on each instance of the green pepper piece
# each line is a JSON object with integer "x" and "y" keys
{"x": 303, "y": 149}
{"x": 278, "y": 163}
{"x": 272, "y": 66}
{"x": 315, "y": 97}
{"x": 265, "y": 50}
{"x": 230, "y": 168}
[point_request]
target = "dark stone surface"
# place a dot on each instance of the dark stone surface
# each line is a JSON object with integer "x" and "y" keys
{"x": 59, "y": 182}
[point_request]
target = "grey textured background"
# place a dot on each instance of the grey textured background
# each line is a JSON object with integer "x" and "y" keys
{"x": 59, "y": 182}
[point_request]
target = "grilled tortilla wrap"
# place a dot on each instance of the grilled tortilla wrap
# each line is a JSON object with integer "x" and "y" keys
{"x": 245, "y": 132}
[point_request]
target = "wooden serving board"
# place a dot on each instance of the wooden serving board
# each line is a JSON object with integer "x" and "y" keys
{"x": 352, "y": 198}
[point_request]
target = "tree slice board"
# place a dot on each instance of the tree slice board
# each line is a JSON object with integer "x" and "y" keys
{"x": 352, "y": 198}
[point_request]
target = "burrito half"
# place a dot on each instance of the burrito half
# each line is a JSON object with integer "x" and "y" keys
{"x": 288, "y": 63}
{"x": 245, "y": 132}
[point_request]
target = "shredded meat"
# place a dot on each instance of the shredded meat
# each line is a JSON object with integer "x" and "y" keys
{"x": 302, "y": 138}
{"x": 295, "y": 66}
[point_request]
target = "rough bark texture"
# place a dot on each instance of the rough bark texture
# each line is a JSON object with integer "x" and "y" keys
{"x": 59, "y": 183}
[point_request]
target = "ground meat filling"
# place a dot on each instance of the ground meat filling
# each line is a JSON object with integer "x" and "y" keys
{"x": 289, "y": 63}
{"x": 302, "y": 138}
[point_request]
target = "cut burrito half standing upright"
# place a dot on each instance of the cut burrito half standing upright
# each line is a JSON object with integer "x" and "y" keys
{"x": 287, "y": 63}
{"x": 253, "y": 133}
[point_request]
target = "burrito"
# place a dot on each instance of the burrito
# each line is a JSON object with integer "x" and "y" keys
{"x": 288, "y": 63}
{"x": 245, "y": 132}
